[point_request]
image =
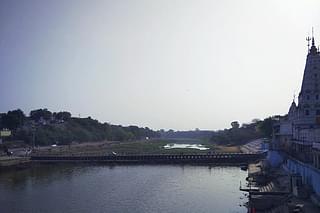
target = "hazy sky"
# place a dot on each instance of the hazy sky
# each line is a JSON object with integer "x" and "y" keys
{"x": 159, "y": 63}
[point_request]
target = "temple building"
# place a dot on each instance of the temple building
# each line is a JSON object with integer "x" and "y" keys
{"x": 297, "y": 134}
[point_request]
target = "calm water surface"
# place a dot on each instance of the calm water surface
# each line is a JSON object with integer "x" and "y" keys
{"x": 134, "y": 189}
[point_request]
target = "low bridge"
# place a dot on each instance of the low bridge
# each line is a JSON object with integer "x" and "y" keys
{"x": 216, "y": 158}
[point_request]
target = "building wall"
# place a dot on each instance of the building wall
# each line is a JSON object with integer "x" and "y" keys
{"x": 286, "y": 128}
{"x": 307, "y": 135}
{"x": 309, "y": 174}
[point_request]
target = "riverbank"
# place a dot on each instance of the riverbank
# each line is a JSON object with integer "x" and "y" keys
{"x": 155, "y": 146}
{"x": 145, "y": 148}
{"x": 271, "y": 190}
{"x": 216, "y": 158}
{"x": 14, "y": 162}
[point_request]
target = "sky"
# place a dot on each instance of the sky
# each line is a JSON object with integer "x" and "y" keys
{"x": 164, "y": 64}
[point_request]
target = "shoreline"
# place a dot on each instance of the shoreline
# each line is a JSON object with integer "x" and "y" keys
{"x": 127, "y": 153}
{"x": 14, "y": 163}
{"x": 18, "y": 163}
{"x": 270, "y": 189}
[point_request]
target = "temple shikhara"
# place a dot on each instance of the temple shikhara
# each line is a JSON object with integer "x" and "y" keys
{"x": 297, "y": 134}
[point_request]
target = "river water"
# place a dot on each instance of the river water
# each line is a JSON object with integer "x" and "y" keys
{"x": 134, "y": 189}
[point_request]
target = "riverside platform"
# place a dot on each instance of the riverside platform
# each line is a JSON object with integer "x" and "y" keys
{"x": 216, "y": 158}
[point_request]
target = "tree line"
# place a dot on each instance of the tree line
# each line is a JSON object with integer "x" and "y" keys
{"x": 238, "y": 135}
{"x": 43, "y": 127}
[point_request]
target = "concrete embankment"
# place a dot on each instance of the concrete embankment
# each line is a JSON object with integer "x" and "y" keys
{"x": 221, "y": 158}
{"x": 272, "y": 190}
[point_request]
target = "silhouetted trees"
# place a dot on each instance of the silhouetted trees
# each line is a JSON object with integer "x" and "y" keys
{"x": 62, "y": 115}
{"x": 247, "y": 132}
{"x": 88, "y": 129}
{"x": 235, "y": 124}
{"x": 12, "y": 119}
{"x": 59, "y": 127}
{"x": 265, "y": 126}
{"x": 38, "y": 114}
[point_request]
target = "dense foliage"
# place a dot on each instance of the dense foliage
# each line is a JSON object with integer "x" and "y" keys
{"x": 12, "y": 119}
{"x": 236, "y": 135}
{"x": 193, "y": 134}
{"x": 239, "y": 135}
{"x": 43, "y": 127}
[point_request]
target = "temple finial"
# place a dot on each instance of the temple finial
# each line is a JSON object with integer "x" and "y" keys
{"x": 313, "y": 43}
{"x": 313, "y": 49}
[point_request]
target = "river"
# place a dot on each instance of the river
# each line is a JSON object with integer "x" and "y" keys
{"x": 134, "y": 189}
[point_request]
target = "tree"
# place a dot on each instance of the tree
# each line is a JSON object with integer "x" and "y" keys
{"x": 235, "y": 124}
{"x": 37, "y": 114}
{"x": 136, "y": 131}
{"x": 62, "y": 115}
{"x": 119, "y": 134}
{"x": 13, "y": 119}
{"x": 255, "y": 120}
{"x": 1, "y": 122}
{"x": 266, "y": 127}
